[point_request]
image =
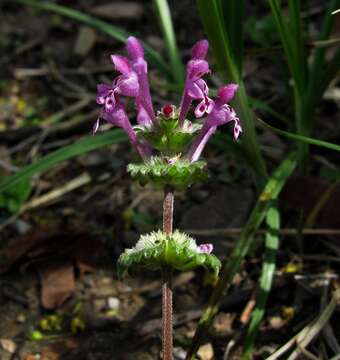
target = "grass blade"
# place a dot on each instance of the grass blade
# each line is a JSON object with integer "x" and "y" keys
{"x": 298, "y": 43}
{"x": 271, "y": 191}
{"x": 152, "y": 55}
{"x": 284, "y": 34}
{"x": 304, "y": 139}
{"x": 316, "y": 70}
{"x": 267, "y": 275}
{"x": 211, "y": 18}
{"x": 165, "y": 19}
{"x": 80, "y": 147}
{"x": 233, "y": 16}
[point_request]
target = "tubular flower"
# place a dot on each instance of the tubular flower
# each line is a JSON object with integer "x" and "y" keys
{"x": 195, "y": 87}
{"x": 140, "y": 67}
{"x": 118, "y": 117}
{"x": 220, "y": 114}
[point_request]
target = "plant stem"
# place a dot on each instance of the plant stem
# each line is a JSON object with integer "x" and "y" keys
{"x": 168, "y": 210}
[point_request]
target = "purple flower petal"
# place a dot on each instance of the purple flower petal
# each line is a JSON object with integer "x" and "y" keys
{"x": 199, "y": 143}
{"x": 103, "y": 90}
{"x": 195, "y": 87}
{"x": 96, "y": 126}
{"x": 142, "y": 116}
{"x": 110, "y": 103}
{"x": 119, "y": 118}
{"x": 128, "y": 85}
{"x": 134, "y": 48}
{"x": 205, "y": 106}
{"x": 237, "y": 129}
{"x": 219, "y": 113}
{"x": 205, "y": 248}
{"x": 200, "y": 49}
{"x": 226, "y": 93}
{"x": 121, "y": 64}
{"x": 140, "y": 67}
{"x": 197, "y": 68}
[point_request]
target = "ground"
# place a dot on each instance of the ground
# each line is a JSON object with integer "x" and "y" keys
{"x": 60, "y": 297}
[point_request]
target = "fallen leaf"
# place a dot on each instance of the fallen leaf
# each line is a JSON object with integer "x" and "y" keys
{"x": 85, "y": 41}
{"x": 206, "y": 352}
{"x": 8, "y": 345}
{"x": 57, "y": 283}
{"x": 19, "y": 246}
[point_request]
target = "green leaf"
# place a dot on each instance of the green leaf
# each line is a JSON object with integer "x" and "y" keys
{"x": 14, "y": 196}
{"x": 304, "y": 139}
{"x": 152, "y": 55}
{"x": 232, "y": 12}
{"x": 165, "y": 19}
{"x": 157, "y": 250}
{"x": 213, "y": 21}
{"x": 80, "y": 147}
{"x": 317, "y": 73}
{"x": 270, "y": 192}
{"x": 266, "y": 280}
{"x": 160, "y": 171}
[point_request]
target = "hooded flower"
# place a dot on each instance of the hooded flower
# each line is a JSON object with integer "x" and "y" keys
{"x": 195, "y": 87}
{"x": 125, "y": 84}
{"x": 220, "y": 114}
{"x": 118, "y": 117}
{"x": 140, "y": 67}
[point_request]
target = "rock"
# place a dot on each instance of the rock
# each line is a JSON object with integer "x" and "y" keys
{"x": 22, "y": 226}
{"x": 179, "y": 353}
{"x": 8, "y": 345}
{"x": 21, "y": 318}
{"x": 206, "y": 352}
{"x": 113, "y": 303}
{"x": 276, "y": 322}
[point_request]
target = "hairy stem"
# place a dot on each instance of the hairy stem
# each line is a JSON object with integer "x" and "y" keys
{"x": 168, "y": 210}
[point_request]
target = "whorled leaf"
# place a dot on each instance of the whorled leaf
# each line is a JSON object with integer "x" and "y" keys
{"x": 169, "y": 171}
{"x": 157, "y": 250}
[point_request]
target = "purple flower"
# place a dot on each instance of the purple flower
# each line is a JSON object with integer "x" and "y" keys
{"x": 140, "y": 67}
{"x": 195, "y": 87}
{"x": 118, "y": 117}
{"x": 205, "y": 248}
{"x": 220, "y": 114}
{"x": 126, "y": 84}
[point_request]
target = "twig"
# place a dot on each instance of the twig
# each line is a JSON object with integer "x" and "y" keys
{"x": 308, "y": 333}
{"x": 21, "y": 73}
{"x": 7, "y": 166}
{"x": 49, "y": 197}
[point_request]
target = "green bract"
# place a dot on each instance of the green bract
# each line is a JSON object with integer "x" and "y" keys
{"x": 166, "y": 171}
{"x": 167, "y": 137}
{"x": 157, "y": 250}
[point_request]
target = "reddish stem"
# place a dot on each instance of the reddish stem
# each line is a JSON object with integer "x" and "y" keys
{"x": 168, "y": 209}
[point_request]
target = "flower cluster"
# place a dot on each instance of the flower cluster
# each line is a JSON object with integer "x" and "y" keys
{"x": 133, "y": 82}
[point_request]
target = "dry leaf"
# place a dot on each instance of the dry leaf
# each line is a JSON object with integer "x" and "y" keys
{"x": 206, "y": 352}
{"x": 86, "y": 39}
{"x": 57, "y": 283}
